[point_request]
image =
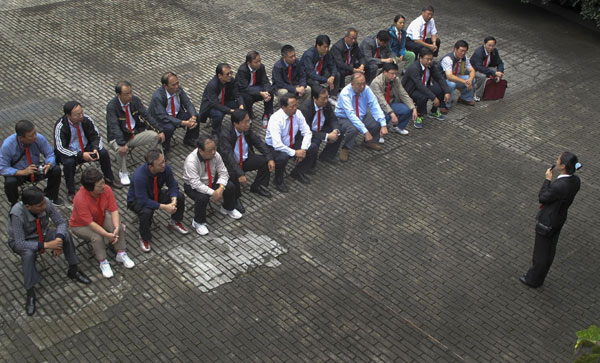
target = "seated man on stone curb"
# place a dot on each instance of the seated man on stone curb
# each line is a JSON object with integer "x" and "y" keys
{"x": 254, "y": 85}
{"x": 77, "y": 140}
{"x": 20, "y": 162}
{"x": 488, "y": 64}
{"x": 220, "y": 98}
{"x": 404, "y": 58}
{"x": 347, "y": 57}
{"x": 319, "y": 65}
{"x": 425, "y": 81}
{"x": 237, "y": 147}
{"x": 376, "y": 50}
{"x": 459, "y": 74}
{"x": 284, "y": 143}
{"x": 422, "y": 33}
{"x": 129, "y": 125}
{"x": 358, "y": 110}
{"x": 29, "y": 232}
{"x": 205, "y": 179}
{"x": 146, "y": 195}
{"x": 288, "y": 75}
{"x": 171, "y": 107}
{"x": 397, "y": 105}
{"x": 95, "y": 218}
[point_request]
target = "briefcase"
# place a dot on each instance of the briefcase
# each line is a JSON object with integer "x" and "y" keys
{"x": 494, "y": 90}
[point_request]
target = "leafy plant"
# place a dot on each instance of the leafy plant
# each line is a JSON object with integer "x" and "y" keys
{"x": 587, "y": 348}
{"x": 589, "y": 9}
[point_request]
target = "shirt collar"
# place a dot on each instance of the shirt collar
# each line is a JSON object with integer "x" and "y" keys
{"x": 284, "y": 62}
{"x": 250, "y": 68}
{"x": 564, "y": 176}
{"x": 168, "y": 94}
{"x": 317, "y": 108}
{"x": 123, "y": 105}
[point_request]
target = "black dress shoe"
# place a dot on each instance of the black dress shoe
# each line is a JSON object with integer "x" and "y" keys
{"x": 240, "y": 208}
{"x": 332, "y": 161}
{"x": 79, "y": 277}
{"x": 281, "y": 187}
{"x": 261, "y": 190}
{"x": 524, "y": 281}
{"x": 114, "y": 183}
{"x": 312, "y": 171}
{"x": 300, "y": 177}
{"x": 30, "y": 305}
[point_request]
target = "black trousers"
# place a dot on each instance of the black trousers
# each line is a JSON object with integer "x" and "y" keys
{"x": 201, "y": 200}
{"x": 258, "y": 163}
{"x": 329, "y": 151}
{"x": 250, "y": 99}
{"x": 421, "y": 99}
{"x": 416, "y": 47}
{"x": 70, "y": 164}
{"x": 145, "y": 214}
{"x": 544, "y": 250}
{"x": 169, "y": 129}
{"x": 281, "y": 160}
{"x": 12, "y": 183}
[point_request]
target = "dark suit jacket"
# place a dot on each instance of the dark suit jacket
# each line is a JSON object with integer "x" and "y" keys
{"x": 212, "y": 92}
{"x": 368, "y": 47}
{"x": 243, "y": 80}
{"x": 158, "y": 106}
{"x": 329, "y": 124}
{"x": 495, "y": 61}
{"x": 62, "y": 137}
{"x": 555, "y": 198}
{"x": 309, "y": 61}
{"x": 226, "y": 145}
{"x": 116, "y": 123}
{"x": 413, "y": 79}
{"x": 280, "y": 76}
{"x": 339, "y": 52}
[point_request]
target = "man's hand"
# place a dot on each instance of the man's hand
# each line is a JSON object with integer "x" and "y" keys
{"x": 218, "y": 194}
{"x": 169, "y": 208}
{"x": 57, "y": 252}
{"x": 271, "y": 165}
{"x": 243, "y": 180}
{"x": 383, "y": 131}
{"x": 469, "y": 84}
{"x": 54, "y": 244}
{"x": 368, "y": 137}
{"x": 447, "y": 97}
{"x": 87, "y": 156}
{"x": 332, "y": 136}
{"x": 31, "y": 169}
{"x": 191, "y": 123}
{"x": 387, "y": 60}
{"x": 549, "y": 174}
{"x": 300, "y": 155}
{"x": 46, "y": 168}
{"x": 415, "y": 114}
{"x": 499, "y": 76}
{"x": 266, "y": 96}
{"x": 123, "y": 150}
{"x": 360, "y": 69}
{"x": 161, "y": 137}
{"x": 394, "y": 118}
{"x": 436, "y": 102}
{"x": 300, "y": 90}
{"x": 331, "y": 83}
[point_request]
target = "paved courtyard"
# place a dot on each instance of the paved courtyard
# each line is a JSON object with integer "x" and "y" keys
{"x": 411, "y": 254}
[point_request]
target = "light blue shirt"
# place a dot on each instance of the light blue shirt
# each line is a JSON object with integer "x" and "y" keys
{"x": 74, "y": 143}
{"x": 367, "y": 102}
{"x": 168, "y": 108}
{"x": 236, "y": 148}
{"x": 12, "y": 150}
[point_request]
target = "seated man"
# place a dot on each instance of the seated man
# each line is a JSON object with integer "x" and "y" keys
{"x": 358, "y": 110}
{"x": 376, "y": 51}
{"x": 284, "y": 143}
{"x": 254, "y": 85}
{"x": 146, "y": 195}
{"x": 347, "y": 57}
{"x": 171, "y": 107}
{"x": 459, "y": 74}
{"x": 289, "y": 76}
{"x": 422, "y": 33}
{"x": 220, "y": 98}
{"x": 488, "y": 64}
{"x": 77, "y": 140}
{"x": 424, "y": 81}
{"x": 398, "y": 42}
{"x": 29, "y": 232}
{"x": 320, "y": 117}
{"x": 319, "y": 65}
{"x": 205, "y": 179}
{"x": 393, "y": 99}
{"x": 95, "y": 218}
{"x": 129, "y": 125}
{"x": 236, "y": 147}
{"x": 20, "y": 162}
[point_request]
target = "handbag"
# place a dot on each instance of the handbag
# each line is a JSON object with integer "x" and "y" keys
{"x": 494, "y": 90}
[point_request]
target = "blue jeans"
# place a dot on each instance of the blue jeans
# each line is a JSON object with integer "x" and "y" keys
{"x": 464, "y": 94}
{"x": 403, "y": 113}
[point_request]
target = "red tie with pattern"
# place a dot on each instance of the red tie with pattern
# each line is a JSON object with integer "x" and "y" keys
{"x": 223, "y": 96}
{"x": 319, "y": 120}
{"x": 100, "y": 211}
{"x": 128, "y": 121}
{"x": 319, "y": 66}
{"x": 209, "y": 174}
{"x": 38, "y": 224}
{"x": 241, "y": 147}
{"x": 253, "y": 78}
{"x": 290, "y": 74}
{"x": 173, "y": 106}
{"x": 387, "y": 92}
{"x": 32, "y": 177}
{"x": 424, "y": 32}
{"x": 377, "y": 53}
{"x": 79, "y": 138}
{"x": 487, "y": 61}
{"x": 291, "y": 132}
{"x": 357, "y": 108}
{"x": 348, "y": 57}
{"x": 156, "y": 188}
{"x": 456, "y": 67}
{"x": 425, "y": 76}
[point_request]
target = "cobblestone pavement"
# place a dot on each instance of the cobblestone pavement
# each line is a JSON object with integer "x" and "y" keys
{"x": 409, "y": 254}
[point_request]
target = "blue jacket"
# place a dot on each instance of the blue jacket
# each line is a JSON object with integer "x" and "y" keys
{"x": 141, "y": 189}
{"x": 397, "y": 48}
{"x": 13, "y": 158}
{"x": 309, "y": 61}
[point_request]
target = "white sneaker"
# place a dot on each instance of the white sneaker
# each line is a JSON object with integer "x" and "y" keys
{"x": 106, "y": 270}
{"x": 476, "y": 99}
{"x": 125, "y": 260}
{"x": 403, "y": 132}
{"x": 177, "y": 226}
{"x": 381, "y": 140}
{"x": 231, "y": 213}
{"x": 200, "y": 228}
{"x": 124, "y": 178}
{"x": 145, "y": 245}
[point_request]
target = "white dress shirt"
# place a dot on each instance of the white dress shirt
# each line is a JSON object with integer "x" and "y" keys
{"x": 278, "y": 131}
{"x": 416, "y": 27}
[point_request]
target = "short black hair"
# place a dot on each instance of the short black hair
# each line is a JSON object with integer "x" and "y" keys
{"x": 237, "y": 116}
{"x": 251, "y": 56}
{"x": 23, "y": 127}
{"x": 220, "y": 67}
{"x": 568, "y": 159}
{"x": 427, "y": 8}
{"x": 461, "y": 44}
{"x": 120, "y": 84}
{"x": 398, "y": 17}
{"x": 165, "y": 78}
{"x": 32, "y": 196}
{"x": 284, "y": 100}
{"x": 389, "y": 66}
{"x": 488, "y": 38}
{"x": 425, "y": 51}
{"x": 286, "y": 49}
{"x": 151, "y": 155}
{"x": 383, "y": 36}
{"x": 89, "y": 178}
{"x": 322, "y": 39}
{"x": 69, "y": 106}
{"x": 202, "y": 140}
{"x": 317, "y": 91}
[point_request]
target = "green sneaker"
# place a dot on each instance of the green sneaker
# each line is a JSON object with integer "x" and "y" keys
{"x": 419, "y": 122}
{"x": 436, "y": 115}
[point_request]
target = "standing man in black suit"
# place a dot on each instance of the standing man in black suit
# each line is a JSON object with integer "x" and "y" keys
{"x": 555, "y": 198}
{"x": 171, "y": 107}
{"x": 236, "y": 146}
{"x": 321, "y": 119}
{"x": 288, "y": 75}
{"x": 347, "y": 57}
{"x": 254, "y": 85}
{"x": 220, "y": 98}
{"x": 319, "y": 65}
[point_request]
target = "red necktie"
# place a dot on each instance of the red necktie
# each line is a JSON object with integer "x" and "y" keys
{"x": 223, "y": 96}
{"x": 241, "y": 152}
{"x": 319, "y": 120}
{"x": 425, "y": 76}
{"x": 156, "y": 188}
{"x": 319, "y": 66}
{"x": 487, "y": 60}
{"x": 387, "y": 92}
{"x": 291, "y": 132}
{"x": 290, "y": 73}
{"x": 377, "y": 53}
{"x": 173, "y": 106}
{"x": 424, "y": 32}
{"x": 348, "y": 57}
{"x": 253, "y": 78}
{"x": 128, "y": 120}
{"x": 456, "y": 67}
{"x": 79, "y": 137}
{"x": 357, "y": 108}
{"x": 209, "y": 174}
{"x": 38, "y": 224}
{"x": 399, "y": 38}
{"x": 100, "y": 211}
{"x": 32, "y": 177}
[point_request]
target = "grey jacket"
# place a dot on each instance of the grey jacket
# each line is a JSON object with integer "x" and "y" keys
{"x": 397, "y": 93}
